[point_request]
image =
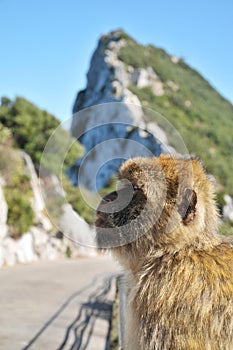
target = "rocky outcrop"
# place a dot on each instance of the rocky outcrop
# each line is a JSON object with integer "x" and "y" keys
{"x": 108, "y": 78}
{"x": 32, "y": 246}
{"x": 228, "y": 208}
{"x": 109, "y": 119}
{"x": 76, "y": 230}
{"x": 112, "y": 134}
{"x": 38, "y": 203}
{"x": 3, "y": 212}
{"x": 39, "y": 243}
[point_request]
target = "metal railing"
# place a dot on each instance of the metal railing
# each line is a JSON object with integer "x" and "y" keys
{"x": 120, "y": 322}
{"x": 122, "y": 311}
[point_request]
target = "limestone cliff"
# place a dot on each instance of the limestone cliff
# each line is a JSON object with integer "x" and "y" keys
{"x": 40, "y": 241}
{"x": 129, "y": 80}
{"x": 109, "y": 119}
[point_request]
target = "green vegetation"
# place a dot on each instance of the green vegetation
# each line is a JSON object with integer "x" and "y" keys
{"x": 75, "y": 198}
{"x": 68, "y": 252}
{"x": 17, "y": 191}
{"x": 5, "y": 135}
{"x": 24, "y": 126}
{"x": 17, "y": 188}
{"x": 20, "y": 213}
{"x": 114, "y": 336}
{"x": 199, "y": 113}
{"x": 226, "y": 228}
{"x": 31, "y": 129}
{"x": 114, "y": 340}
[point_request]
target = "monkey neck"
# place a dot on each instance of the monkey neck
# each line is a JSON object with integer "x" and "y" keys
{"x": 183, "y": 241}
{"x": 187, "y": 239}
{"x": 163, "y": 239}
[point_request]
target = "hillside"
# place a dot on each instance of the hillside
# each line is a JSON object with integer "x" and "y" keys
{"x": 29, "y": 223}
{"x": 201, "y": 115}
{"x": 123, "y": 70}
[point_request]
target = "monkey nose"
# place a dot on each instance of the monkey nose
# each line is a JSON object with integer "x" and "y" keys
{"x": 115, "y": 201}
{"x": 106, "y": 203}
{"x": 110, "y": 197}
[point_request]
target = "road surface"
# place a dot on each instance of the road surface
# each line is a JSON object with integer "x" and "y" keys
{"x": 60, "y": 305}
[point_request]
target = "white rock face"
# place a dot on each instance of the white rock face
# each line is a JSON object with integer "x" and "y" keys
{"x": 3, "y": 213}
{"x": 108, "y": 80}
{"x": 174, "y": 86}
{"x": 228, "y": 208}
{"x": 40, "y": 241}
{"x": 147, "y": 78}
{"x": 47, "y": 247}
{"x": 25, "y": 250}
{"x": 38, "y": 203}
{"x": 17, "y": 251}
{"x": 75, "y": 228}
{"x": 114, "y": 127}
{"x": 175, "y": 59}
{"x": 9, "y": 251}
{"x": 38, "y": 245}
{"x": 1, "y": 256}
{"x": 144, "y": 78}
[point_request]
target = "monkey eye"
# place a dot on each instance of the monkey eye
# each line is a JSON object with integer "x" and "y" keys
{"x": 125, "y": 184}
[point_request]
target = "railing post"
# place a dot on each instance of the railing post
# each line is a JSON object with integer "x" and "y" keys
{"x": 122, "y": 311}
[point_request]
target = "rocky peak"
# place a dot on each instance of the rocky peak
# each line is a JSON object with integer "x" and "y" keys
{"x": 108, "y": 82}
{"x": 108, "y": 78}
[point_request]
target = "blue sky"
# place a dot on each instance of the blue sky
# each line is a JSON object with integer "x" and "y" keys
{"x": 46, "y": 45}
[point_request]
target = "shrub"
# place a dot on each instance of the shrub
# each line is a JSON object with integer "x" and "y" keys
{"x": 226, "y": 228}
{"x": 20, "y": 213}
{"x": 75, "y": 198}
{"x": 32, "y": 127}
{"x": 17, "y": 191}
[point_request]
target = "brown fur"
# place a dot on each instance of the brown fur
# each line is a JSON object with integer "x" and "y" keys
{"x": 180, "y": 270}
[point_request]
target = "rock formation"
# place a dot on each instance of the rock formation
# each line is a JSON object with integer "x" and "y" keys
{"x": 39, "y": 243}
{"x": 3, "y": 212}
{"x": 108, "y": 118}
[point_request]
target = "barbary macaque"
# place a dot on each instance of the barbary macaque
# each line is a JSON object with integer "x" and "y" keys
{"x": 162, "y": 227}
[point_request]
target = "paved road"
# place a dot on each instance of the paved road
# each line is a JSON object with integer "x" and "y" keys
{"x": 56, "y": 305}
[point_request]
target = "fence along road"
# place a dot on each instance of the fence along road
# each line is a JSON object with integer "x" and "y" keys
{"x": 57, "y": 305}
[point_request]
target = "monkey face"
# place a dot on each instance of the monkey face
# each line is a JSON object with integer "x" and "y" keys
{"x": 125, "y": 215}
{"x": 117, "y": 214}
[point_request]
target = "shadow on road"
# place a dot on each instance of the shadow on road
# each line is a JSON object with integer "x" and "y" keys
{"x": 78, "y": 333}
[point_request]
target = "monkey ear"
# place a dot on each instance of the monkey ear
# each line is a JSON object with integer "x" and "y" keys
{"x": 187, "y": 207}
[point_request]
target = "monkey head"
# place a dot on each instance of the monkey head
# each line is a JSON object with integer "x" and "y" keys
{"x": 163, "y": 204}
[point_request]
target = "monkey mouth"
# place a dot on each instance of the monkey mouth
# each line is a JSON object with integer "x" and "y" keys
{"x": 101, "y": 220}
{"x": 118, "y": 217}
{"x": 119, "y": 208}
